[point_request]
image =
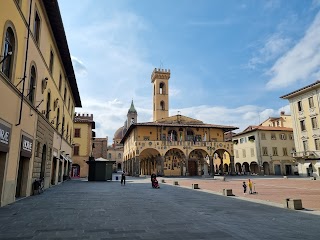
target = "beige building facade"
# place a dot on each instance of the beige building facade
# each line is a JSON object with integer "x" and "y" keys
{"x": 38, "y": 96}
{"x": 82, "y": 144}
{"x": 305, "y": 109}
{"x": 172, "y": 146}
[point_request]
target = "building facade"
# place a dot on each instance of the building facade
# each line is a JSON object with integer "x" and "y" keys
{"x": 38, "y": 96}
{"x": 304, "y": 106}
{"x": 173, "y": 146}
{"x": 82, "y": 144}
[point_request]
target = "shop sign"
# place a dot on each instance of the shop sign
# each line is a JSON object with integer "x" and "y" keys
{"x": 4, "y": 138}
{"x": 26, "y": 147}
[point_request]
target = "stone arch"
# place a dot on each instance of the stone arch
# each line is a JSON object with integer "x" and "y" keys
{"x": 197, "y": 163}
{"x": 254, "y": 167}
{"x": 238, "y": 168}
{"x": 150, "y": 161}
{"x": 172, "y": 135}
{"x": 162, "y": 88}
{"x": 266, "y": 168}
{"x": 245, "y": 168}
{"x": 174, "y": 162}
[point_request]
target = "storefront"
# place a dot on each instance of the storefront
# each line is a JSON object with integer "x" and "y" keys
{"x": 5, "y": 133}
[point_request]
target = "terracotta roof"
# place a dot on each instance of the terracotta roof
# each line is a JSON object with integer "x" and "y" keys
{"x": 308, "y": 87}
{"x": 54, "y": 15}
{"x": 264, "y": 128}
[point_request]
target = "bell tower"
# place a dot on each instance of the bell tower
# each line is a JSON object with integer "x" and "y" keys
{"x": 160, "y": 79}
{"x": 132, "y": 115}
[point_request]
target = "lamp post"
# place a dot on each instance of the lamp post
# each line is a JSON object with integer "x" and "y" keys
{"x": 5, "y": 57}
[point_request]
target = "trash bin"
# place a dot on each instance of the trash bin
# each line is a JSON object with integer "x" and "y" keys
{"x": 117, "y": 178}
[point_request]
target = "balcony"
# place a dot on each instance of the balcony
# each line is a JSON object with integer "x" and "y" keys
{"x": 306, "y": 154}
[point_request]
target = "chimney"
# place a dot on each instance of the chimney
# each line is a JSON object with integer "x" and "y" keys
{"x": 282, "y": 113}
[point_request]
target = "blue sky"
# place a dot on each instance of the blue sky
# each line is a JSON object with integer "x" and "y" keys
{"x": 230, "y": 61}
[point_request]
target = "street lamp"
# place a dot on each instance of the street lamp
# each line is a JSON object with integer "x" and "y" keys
{"x": 5, "y": 57}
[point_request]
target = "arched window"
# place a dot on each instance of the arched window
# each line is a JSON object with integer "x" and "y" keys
{"x": 162, "y": 89}
{"x": 48, "y": 106}
{"x": 62, "y": 128}
{"x": 8, "y": 53}
{"x": 190, "y": 135}
{"x": 32, "y": 84}
{"x": 162, "y": 106}
{"x": 58, "y": 118}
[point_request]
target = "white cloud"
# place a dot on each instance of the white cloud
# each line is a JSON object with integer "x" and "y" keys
{"x": 79, "y": 67}
{"x": 300, "y": 63}
{"x": 272, "y": 48}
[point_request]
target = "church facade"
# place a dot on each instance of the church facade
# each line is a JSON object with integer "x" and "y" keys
{"x": 176, "y": 145}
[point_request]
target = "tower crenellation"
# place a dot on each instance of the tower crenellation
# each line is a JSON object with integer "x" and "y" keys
{"x": 159, "y": 73}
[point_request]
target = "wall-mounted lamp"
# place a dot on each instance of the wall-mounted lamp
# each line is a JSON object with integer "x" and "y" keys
{"x": 5, "y": 57}
{"x": 44, "y": 84}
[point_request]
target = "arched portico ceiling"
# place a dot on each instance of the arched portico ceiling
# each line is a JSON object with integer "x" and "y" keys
{"x": 220, "y": 152}
{"x": 198, "y": 153}
{"x": 149, "y": 153}
{"x": 175, "y": 152}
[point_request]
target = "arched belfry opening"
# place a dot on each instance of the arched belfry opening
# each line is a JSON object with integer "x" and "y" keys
{"x": 160, "y": 80}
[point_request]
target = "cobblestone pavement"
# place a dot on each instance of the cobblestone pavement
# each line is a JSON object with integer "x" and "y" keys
{"x": 79, "y": 209}
{"x": 273, "y": 190}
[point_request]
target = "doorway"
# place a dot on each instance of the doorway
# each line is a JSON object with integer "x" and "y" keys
{"x": 192, "y": 168}
{"x": 288, "y": 170}
{"x": 3, "y": 160}
{"x": 277, "y": 169}
{"x": 54, "y": 171}
{"x": 75, "y": 170}
{"x": 22, "y": 177}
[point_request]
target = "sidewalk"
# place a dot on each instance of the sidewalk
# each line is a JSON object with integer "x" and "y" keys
{"x": 273, "y": 190}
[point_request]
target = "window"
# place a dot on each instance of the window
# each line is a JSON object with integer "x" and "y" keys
{"x": 291, "y": 136}
{"x": 273, "y": 136}
{"x": 265, "y": 151}
{"x": 263, "y": 136}
{"x": 237, "y": 154}
{"x": 311, "y": 103}
{"x": 60, "y": 82}
{"x": 162, "y": 88}
{"x": 69, "y": 104}
{"x": 65, "y": 94}
{"x": 275, "y": 151}
{"x": 32, "y": 84}
{"x": 252, "y": 152}
{"x": 162, "y": 106}
{"x": 36, "y": 27}
{"x": 299, "y": 106}
{"x": 77, "y": 133}
{"x": 109, "y": 155}
{"x": 244, "y": 153}
{"x": 241, "y": 140}
{"x": 62, "y": 127}
{"x": 8, "y": 53}
{"x": 314, "y": 123}
{"x": 48, "y": 106}
{"x": 119, "y": 155}
{"x": 51, "y": 62}
{"x": 76, "y": 150}
{"x": 283, "y": 136}
{"x": 305, "y": 145}
{"x": 285, "y": 151}
{"x": 302, "y": 125}
{"x": 317, "y": 143}
{"x": 58, "y": 118}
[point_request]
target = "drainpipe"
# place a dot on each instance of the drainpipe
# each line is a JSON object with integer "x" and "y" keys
{"x": 25, "y": 66}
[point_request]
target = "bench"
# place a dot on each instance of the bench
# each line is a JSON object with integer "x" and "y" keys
{"x": 222, "y": 178}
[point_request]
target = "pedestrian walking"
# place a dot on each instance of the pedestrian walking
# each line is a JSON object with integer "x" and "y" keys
{"x": 250, "y": 186}
{"x": 123, "y": 178}
{"x": 244, "y": 185}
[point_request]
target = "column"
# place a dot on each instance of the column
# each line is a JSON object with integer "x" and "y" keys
{"x": 232, "y": 165}
{"x": 211, "y": 166}
{"x": 186, "y": 161}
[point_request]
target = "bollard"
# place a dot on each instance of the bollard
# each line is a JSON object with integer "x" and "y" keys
{"x": 195, "y": 186}
{"x": 295, "y": 204}
{"x": 175, "y": 183}
{"x": 286, "y": 203}
{"x": 227, "y": 192}
{"x": 163, "y": 181}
